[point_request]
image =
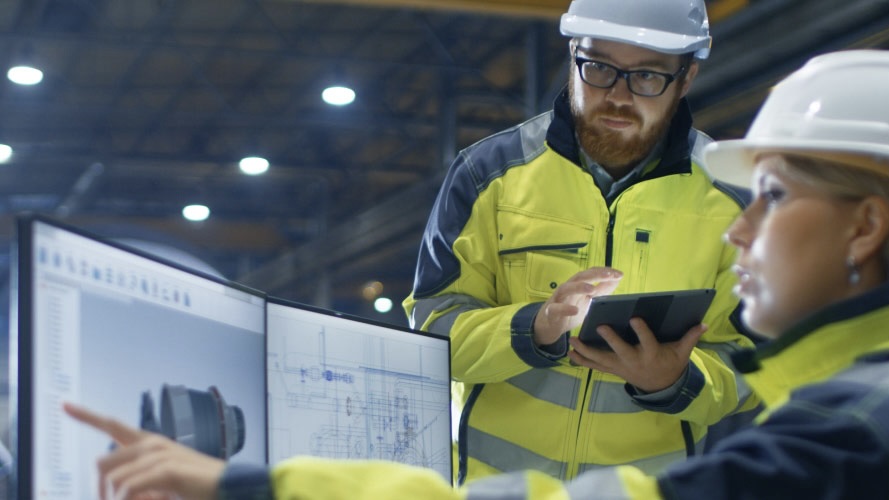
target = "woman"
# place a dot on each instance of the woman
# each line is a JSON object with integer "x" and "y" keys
{"x": 813, "y": 276}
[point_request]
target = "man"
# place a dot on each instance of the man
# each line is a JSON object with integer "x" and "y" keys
{"x": 602, "y": 194}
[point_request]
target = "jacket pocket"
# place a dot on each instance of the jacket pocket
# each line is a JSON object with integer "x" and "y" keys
{"x": 539, "y": 253}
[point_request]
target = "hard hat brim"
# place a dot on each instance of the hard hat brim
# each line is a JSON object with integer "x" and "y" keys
{"x": 732, "y": 161}
{"x": 658, "y": 41}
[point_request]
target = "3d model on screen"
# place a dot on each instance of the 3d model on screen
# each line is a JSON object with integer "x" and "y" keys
{"x": 198, "y": 419}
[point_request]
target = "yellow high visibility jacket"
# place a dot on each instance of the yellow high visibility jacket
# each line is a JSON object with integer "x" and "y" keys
{"x": 516, "y": 216}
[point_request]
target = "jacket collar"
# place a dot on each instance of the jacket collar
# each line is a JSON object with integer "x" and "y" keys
{"x": 677, "y": 149}
{"x": 818, "y": 347}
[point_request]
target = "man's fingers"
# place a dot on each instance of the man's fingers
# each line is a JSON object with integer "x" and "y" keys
{"x": 558, "y": 310}
{"x": 617, "y": 344}
{"x": 606, "y": 287}
{"x": 592, "y": 355}
{"x": 121, "y": 433}
{"x": 578, "y": 359}
{"x": 569, "y": 290}
{"x": 646, "y": 337}
{"x": 572, "y": 289}
{"x": 688, "y": 341}
{"x": 581, "y": 348}
{"x": 599, "y": 274}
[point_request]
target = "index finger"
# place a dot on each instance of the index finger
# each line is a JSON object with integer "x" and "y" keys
{"x": 595, "y": 275}
{"x": 120, "y": 432}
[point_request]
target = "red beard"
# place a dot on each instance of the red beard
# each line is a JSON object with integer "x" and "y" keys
{"x": 609, "y": 148}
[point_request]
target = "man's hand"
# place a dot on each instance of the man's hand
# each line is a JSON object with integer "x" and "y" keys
{"x": 147, "y": 465}
{"x": 649, "y": 366}
{"x": 567, "y": 306}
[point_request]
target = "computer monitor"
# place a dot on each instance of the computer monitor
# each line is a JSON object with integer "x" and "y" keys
{"x": 136, "y": 337}
{"x": 346, "y": 387}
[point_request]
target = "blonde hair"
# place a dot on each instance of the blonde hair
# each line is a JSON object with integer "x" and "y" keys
{"x": 834, "y": 178}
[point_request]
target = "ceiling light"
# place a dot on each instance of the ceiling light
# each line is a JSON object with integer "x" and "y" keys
{"x": 5, "y": 153}
{"x": 254, "y": 165}
{"x": 25, "y": 75}
{"x": 383, "y": 305}
{"x": 338, "y": 96}
{"x": 196, "y": 212}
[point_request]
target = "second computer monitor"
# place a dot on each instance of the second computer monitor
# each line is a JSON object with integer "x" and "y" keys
{"x": 345, "y": 387}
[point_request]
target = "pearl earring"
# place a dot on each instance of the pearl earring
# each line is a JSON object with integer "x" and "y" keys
{"x": 854, "y": 275}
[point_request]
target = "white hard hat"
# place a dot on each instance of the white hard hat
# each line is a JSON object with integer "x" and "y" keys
{"x": 670, "y": 26}
{"x": 835, "y": 107}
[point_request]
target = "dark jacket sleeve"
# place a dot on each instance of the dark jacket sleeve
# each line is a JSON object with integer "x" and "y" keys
{"x": 807, "y": 449}
{"x": 245, "y": 482}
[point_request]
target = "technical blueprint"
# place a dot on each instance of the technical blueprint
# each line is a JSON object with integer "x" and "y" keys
{"x": 347, "y": 389}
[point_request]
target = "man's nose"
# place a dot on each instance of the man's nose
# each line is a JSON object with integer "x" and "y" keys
{"x": 620, "y": 91}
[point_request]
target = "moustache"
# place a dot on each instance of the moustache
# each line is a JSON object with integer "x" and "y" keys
{"x": 609, "y": 110}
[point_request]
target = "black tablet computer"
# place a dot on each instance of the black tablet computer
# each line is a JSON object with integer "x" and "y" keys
{"x": 669, "y": 314}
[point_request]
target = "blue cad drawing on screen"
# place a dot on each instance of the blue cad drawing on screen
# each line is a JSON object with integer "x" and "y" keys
{"x": 342, "y": 387}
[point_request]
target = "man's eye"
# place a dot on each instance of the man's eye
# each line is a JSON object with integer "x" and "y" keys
{"x": 646, "y": 76}
{"x": 599, "y": 67}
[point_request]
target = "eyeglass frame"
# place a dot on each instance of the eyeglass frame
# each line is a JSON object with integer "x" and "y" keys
{"x": 579, "y": 61}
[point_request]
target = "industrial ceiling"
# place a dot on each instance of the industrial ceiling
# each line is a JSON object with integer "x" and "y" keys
{"x": 148, "y": 105}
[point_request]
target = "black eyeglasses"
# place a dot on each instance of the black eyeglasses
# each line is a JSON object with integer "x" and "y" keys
{"x": 645, "y": 83}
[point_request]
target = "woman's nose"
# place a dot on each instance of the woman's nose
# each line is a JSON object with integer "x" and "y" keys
{"x": 738, "y": 234}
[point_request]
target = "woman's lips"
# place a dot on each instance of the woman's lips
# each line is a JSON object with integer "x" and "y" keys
{"x": 745, "y": 280}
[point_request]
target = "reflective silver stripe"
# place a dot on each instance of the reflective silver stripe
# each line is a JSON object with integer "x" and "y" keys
{"x": 499, "y": 487}
{"x": 424, "y": 308}
{"x": 443, "y": 324}
{"x": 549, "y": 385}
{"x": 506, "y": 456}
{"x": 604, "y": 484}
{"x": 611, "y": 397}
{"x": 649, "y": 465}
{"x": 724, "y": 350}
{"x": 701, "y": 141}
{"x": 534, "y": 136}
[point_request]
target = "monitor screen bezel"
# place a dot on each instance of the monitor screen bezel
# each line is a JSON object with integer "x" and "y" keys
{"x": 21, "y": 340}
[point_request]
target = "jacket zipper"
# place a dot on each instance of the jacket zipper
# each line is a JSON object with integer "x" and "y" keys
{"x": 609, "y": 241}
{"x": 463, "y": 430}
{"x": 572, "y": 469}
{"x": 609, "y": 238}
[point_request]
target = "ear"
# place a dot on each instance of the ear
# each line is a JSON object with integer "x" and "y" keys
{"x": 690, "y": 75}
{"x": 871, "y": 228}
